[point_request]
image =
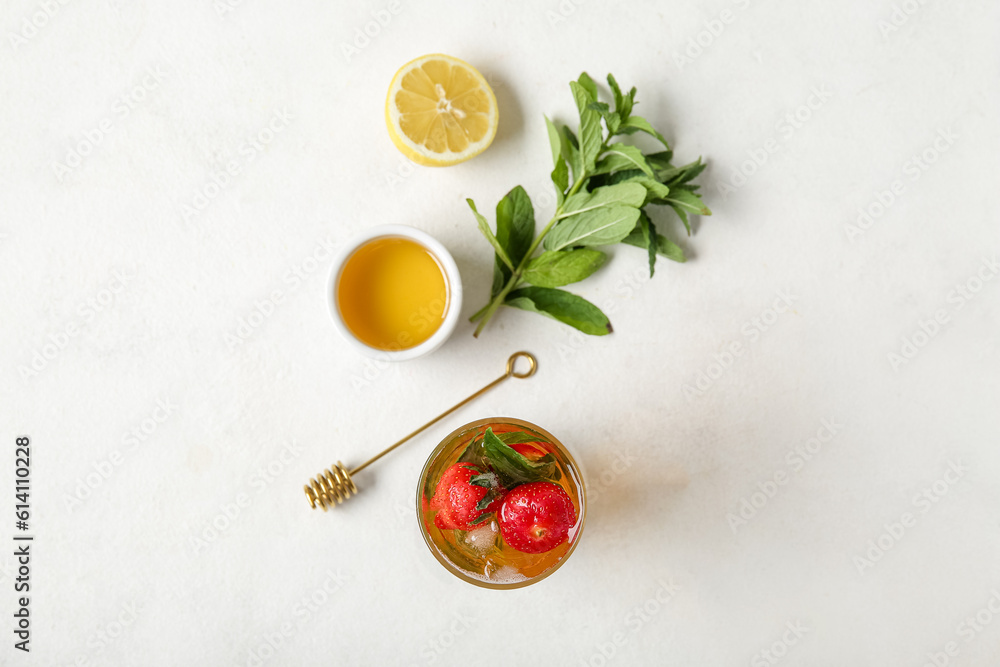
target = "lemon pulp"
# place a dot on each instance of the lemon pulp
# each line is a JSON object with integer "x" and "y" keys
{"x": 392, "y": 293}
{"x": 440, "y": 111}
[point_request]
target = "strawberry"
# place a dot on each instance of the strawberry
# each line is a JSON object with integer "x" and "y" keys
{"x": 536, "y": 517}
{"x": 530, "y": 451}
{"x": 455, "y": 498}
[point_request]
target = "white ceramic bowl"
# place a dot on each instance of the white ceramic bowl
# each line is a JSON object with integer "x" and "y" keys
{"x": 451, "y": 275}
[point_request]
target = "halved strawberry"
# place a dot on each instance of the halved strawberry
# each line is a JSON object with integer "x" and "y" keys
{"x": 456, "y": 499}
{"x": 536, "y": 517}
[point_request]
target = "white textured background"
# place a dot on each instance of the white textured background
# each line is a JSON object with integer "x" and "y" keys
{"x": 168, "y": 460}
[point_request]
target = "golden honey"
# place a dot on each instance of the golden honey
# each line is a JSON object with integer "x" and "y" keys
{"x": 392, "y": 293}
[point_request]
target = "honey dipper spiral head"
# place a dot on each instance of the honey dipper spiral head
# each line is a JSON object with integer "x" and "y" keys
{"x": 330, "y": 487}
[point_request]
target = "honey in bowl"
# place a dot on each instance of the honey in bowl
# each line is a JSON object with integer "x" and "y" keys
{"x": 392, "y": 293}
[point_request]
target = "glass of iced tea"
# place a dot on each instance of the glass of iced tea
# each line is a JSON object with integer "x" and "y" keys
{"x": 501, "y": 503}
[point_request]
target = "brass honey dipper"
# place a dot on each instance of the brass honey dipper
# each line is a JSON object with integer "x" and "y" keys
{"x": 335, "y": 485}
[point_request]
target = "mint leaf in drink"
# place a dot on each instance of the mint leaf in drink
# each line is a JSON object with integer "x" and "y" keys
{"x": 563, "y": 307}
{"x": 516, "y": 438}
{"x": 512, "y": 468}
{"x": 487, "y": 480}
{"x": 603, "y": 190}
{"x": 555, "y": 269}
{"x": 600, "y": 226}
{"x": 483, "y": 518}
{"x": 473, "y": 452}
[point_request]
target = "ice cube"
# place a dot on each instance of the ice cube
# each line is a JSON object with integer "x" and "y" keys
{"x": 483, "y": 538}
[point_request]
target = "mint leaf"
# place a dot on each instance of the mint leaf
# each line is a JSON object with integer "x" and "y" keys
{"x": 599, "y": 226}
{"x": 561, "y": 306}
{"x": 664, "y": 246}
{"x": 484, "y": 227}
{"x": 660, "y": 161}
{"x": 628, "y": 101}
{"x": 473, "y": 453}
{"x": 487, "y": 480}
{"x": 517, "y": 437}
{"x": 582, "y": 97}
{"x": 555, "y": 269}
{"x": 684, "y": 218}
{"x": 591, "y": 138}
{"x": 588, "y": 84}
{"x": 555, "y": 143}
{"x": 591, "y": 135}
{"x": 560, "y": 179}
{"x": 570, "y": 148}
{"x": 628, "y": 194}
{"x": 623, "y": 156}
{"x": 613, "y": 121}
{"x": 515, "y": 223}
{"x": 515, "y": 229}
{"x": 685, "y": 199}
{"x": 616, "y": 92}
{"x": 673, "y": 176}
{"x": 490, "y": 481}
{"x": 654, "y": 189}
{"x": 640, "y": 124}
{"x": 513, "y": 468}
{"x": 649, "y": 238}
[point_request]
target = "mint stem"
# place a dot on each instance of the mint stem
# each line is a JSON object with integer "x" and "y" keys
{"x": 490, "y": 309}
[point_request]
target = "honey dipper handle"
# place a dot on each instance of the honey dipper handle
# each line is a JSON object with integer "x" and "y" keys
{"x": 510, "y": 372}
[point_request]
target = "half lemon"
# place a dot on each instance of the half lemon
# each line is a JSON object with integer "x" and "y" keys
{"x": 440, "y": 111}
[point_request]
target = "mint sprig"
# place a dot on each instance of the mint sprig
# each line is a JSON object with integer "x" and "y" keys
{"x": 502, "y": 466}
{"x": 603, "y": 188}
{"x": 513, "y": 468}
